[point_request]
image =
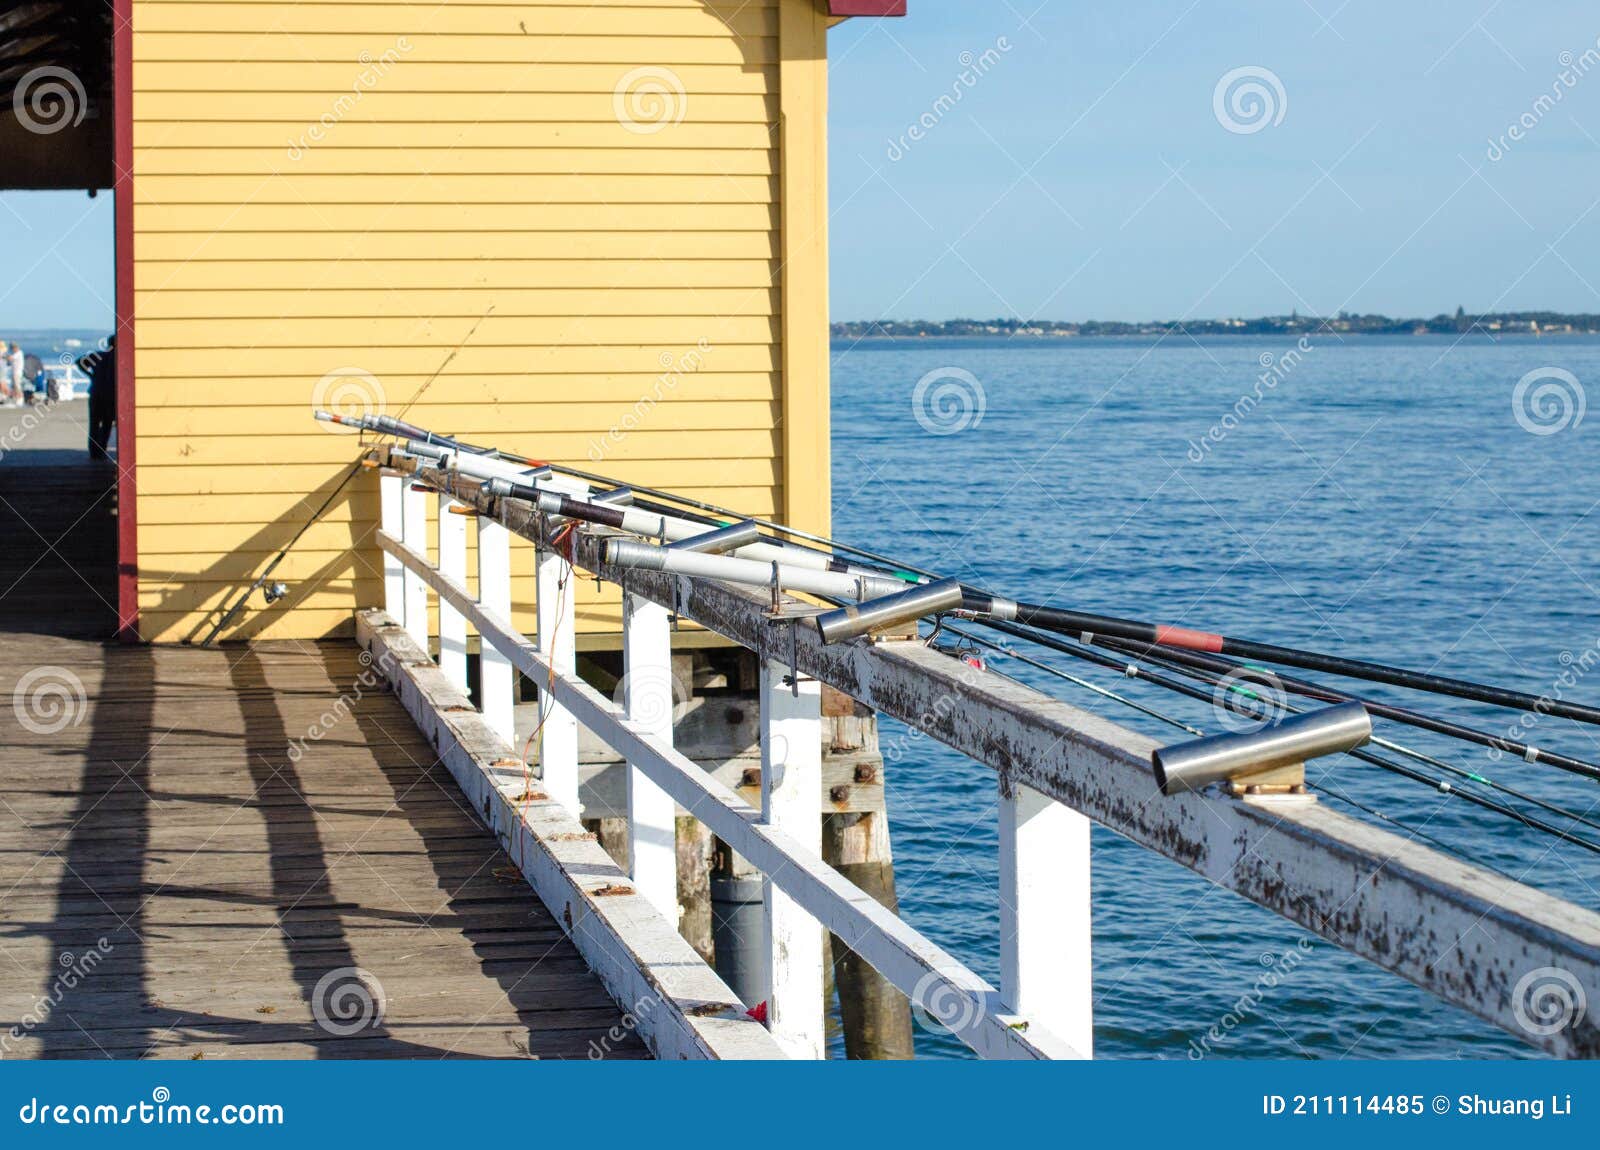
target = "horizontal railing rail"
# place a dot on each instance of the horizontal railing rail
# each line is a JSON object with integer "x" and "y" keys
{"x": 1464, "y": 934}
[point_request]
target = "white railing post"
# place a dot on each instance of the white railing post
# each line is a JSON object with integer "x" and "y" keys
{"x": 391, "y": 490}
{"x": 453, "y": 563}
{"x": 495, "y": 679}
{"x": 414, "y": 512}
{"x": 648, "y": 697}
{"x": 558, "y": 730}
{"x": 791, "y": 801}
{"x": 1046, "y": 931}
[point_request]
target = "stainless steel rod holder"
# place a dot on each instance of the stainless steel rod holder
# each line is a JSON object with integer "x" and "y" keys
{"x": 721, "y": 541}
{"x": 1255, "y": 755}
{"x": 857, "y": 619}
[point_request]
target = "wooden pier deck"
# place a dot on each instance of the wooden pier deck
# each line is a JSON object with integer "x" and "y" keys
{"x": 176, "y": 882}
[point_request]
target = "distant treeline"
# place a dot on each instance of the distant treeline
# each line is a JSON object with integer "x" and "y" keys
{"x": 1495, "y": 323}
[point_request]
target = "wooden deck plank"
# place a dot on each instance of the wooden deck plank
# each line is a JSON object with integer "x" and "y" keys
{"x": 213, "y": 833}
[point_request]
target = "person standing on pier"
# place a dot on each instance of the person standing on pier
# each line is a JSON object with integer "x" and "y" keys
{"x": 101, "y": 368}
{"x": 13, "y": 375}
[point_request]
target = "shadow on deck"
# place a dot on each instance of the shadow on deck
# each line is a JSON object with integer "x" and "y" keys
{"x": 237, "y": 852}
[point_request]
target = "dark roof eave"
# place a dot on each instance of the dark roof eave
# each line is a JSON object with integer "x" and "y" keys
{"x": 866, "y": 7}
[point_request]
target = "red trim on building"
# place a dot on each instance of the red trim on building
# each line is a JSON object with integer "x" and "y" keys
{"x": 866, "y": 7}
{"x": 127, "y": 438}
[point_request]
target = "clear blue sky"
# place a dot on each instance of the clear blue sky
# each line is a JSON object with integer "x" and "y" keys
{"x": 56, "y": 261}
{"x": 1086, "y": 174}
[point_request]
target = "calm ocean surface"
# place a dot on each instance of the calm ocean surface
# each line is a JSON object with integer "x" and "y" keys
{"x": 1380, "y": 498}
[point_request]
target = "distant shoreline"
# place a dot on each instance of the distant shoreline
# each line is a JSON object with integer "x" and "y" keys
{"x": 1293, "y": 325}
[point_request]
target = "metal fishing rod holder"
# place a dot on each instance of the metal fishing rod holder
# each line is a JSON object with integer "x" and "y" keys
{"x": 889, "y": 611}
{"x": 1266, "y": 762}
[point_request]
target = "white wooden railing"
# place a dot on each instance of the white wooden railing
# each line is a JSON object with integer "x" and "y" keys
{"x": 1043, "y": 1008}
{"x": 1469, "y": 936}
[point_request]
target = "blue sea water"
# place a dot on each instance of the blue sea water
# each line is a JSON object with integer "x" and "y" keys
{"x": 1424, "y": 501}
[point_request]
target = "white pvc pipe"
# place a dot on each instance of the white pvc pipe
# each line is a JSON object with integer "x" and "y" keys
{"x": 649, "y": 524}
{"x": 750, "y": 572}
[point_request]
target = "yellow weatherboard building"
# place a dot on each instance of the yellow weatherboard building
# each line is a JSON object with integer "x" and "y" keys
{"x": 588, "y": 232}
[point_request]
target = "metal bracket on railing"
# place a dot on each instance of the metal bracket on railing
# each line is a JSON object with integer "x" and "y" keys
{"x": 787, "y": 615}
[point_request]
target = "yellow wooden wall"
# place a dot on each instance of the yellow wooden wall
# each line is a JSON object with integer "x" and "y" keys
{"x": 330, "y": 195}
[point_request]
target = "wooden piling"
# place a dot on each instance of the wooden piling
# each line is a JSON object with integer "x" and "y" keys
{"x": 613, "y": 836}
{"x": 694, "y": 884}
{"x": 876, "y": 1016}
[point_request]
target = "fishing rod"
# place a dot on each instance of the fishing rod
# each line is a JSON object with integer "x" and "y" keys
{"x": 642, "y": 555}
{"x": 384, "y": 425}
{"x": 399, "y": 428}
{"x": 1223, "y": 681}
{"x": 1442, "y": 786}
{"x": 1449, "y": 728}
{"x": 501, "y": 479}
{"x": 1057, "y": 672}
{"x": 278, "y": 591}
{"x": 1068, "y": 622}
{"x": 1182, "y": 638}
{"x": 1078, "y": 622}
{"x": 1170, "y": 720}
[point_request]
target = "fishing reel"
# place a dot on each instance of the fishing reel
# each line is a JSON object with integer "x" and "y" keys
{"x": 272, "y": 592}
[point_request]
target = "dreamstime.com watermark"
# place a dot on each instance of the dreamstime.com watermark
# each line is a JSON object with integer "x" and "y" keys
{"x": 1549, "y": 400}
{"x": 373, "y": 70}
{"x": 1258, "y": 697}
{"x": 347, "y": 1001}
{"x": 973, "y": 69}
{"x": 686, "y": 363}
{"x": 1276, "y": 969}
{"x": 160, "y": 1110}
{"x": 1573, "y": 69}
{"x": 75, "y": 969}
{"x": 1575, "y": 668}
{"x": 948, "y": 401}
{"x": 350, "y": 392}
{"x": 33, "y": 418}
{"x": 938, "y": 1007}
{"x": 1275, "y": 370}
{"x": 931, "y": 719}
{"x": 49, "y": 699}
{"x": 370, "y": 679}
{"x": 649, "y": 687}
{"x": 1547, "y": 1001}
{"x": 49, "y": 98}
{"x": 1249, "y": 99}
{"x": 600, "y": 1048}
{"x": 650, "y": 99}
